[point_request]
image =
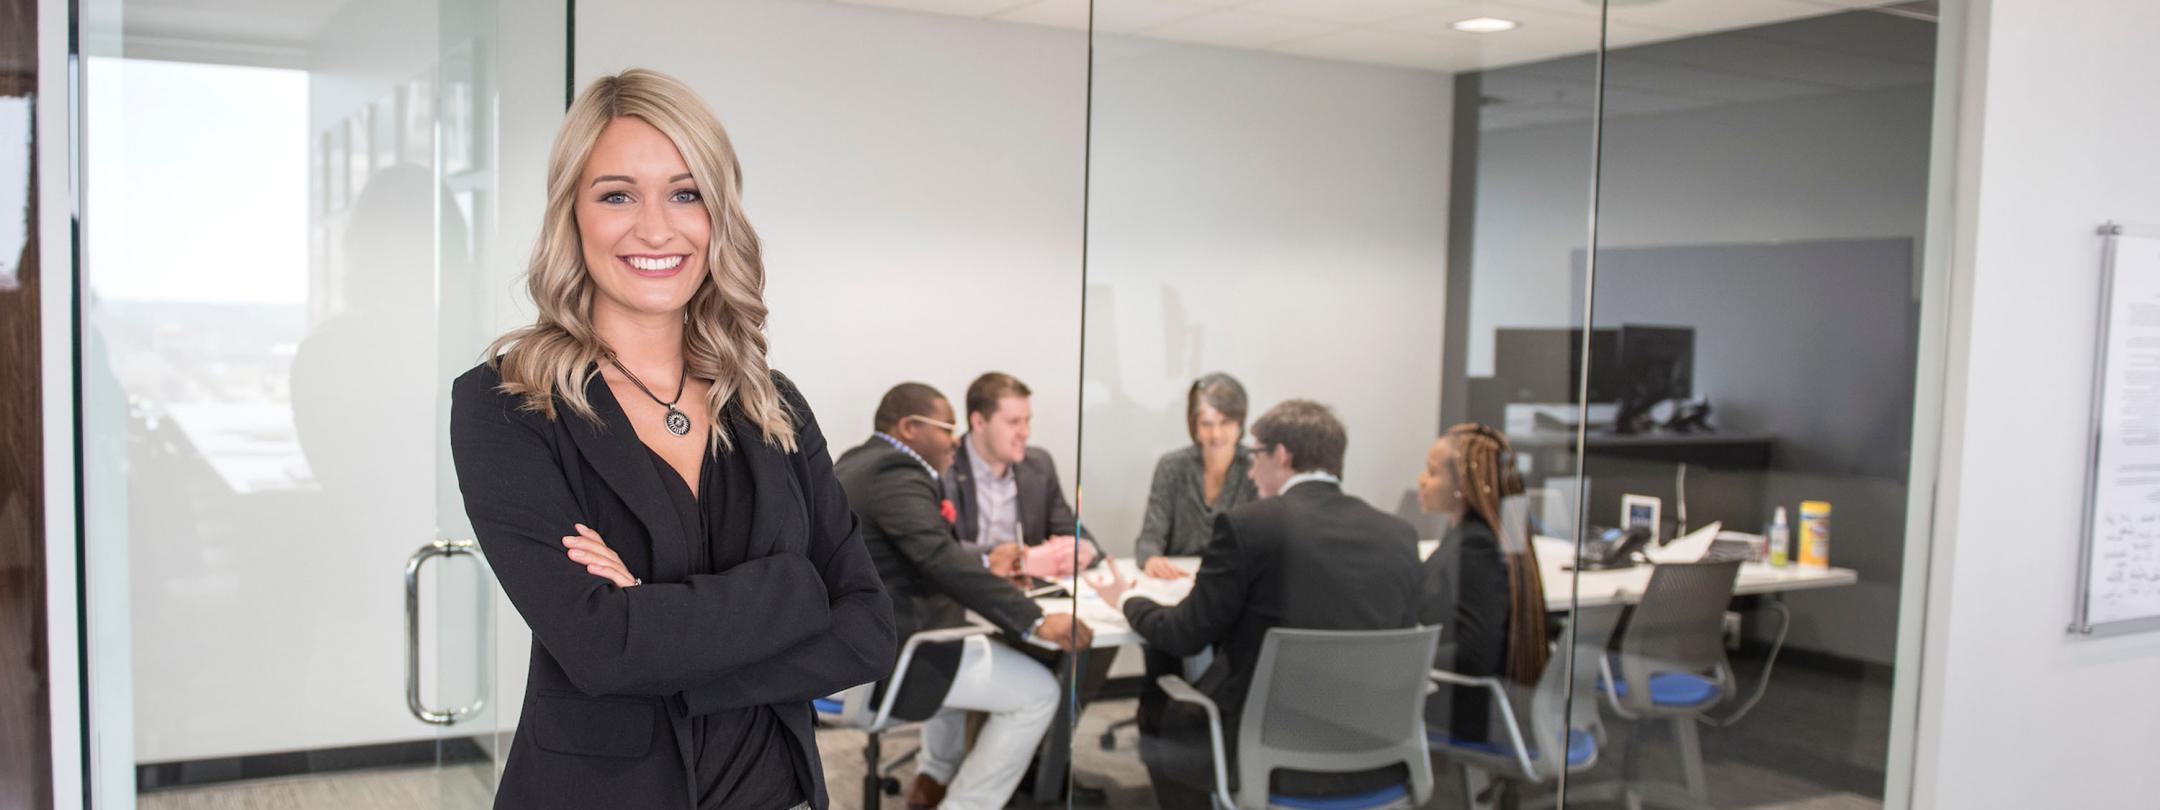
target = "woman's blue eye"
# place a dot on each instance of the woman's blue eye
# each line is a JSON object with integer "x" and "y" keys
{"x": 687, "y": 196}
{"x": 614, "y": 197}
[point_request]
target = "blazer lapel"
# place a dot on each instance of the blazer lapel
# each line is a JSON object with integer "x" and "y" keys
{"x": 613, "y": 449}
{"x": 962, "y": 492}
{"x": 1031, "y": 500}
{"x": 778, "y": 511}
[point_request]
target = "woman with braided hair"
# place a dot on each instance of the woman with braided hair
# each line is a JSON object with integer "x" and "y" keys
{"x": 1483, "y": 589}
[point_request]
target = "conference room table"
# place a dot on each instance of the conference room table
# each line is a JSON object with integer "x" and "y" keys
{"x": 1556, "y": 559}
{"x": 1555, "y": 562}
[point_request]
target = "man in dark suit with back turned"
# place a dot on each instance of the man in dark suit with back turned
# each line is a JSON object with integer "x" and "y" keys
{"x": 1305, "y": 556}
{"x": 891, "y": 483}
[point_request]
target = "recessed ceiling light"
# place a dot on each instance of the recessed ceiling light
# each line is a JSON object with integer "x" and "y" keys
{"x": 1484, "y": 25}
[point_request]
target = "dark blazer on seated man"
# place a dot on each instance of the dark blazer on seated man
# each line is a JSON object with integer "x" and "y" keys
{"x": 1043, "y": 511}
{"x": 932, "y": 580}
{"x": 1312, "y": 558}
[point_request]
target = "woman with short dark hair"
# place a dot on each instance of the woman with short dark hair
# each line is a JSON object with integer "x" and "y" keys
{"x": 1195, "y": 483}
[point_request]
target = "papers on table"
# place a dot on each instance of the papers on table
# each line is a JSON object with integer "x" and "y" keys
{"x": 1687, "y": 549}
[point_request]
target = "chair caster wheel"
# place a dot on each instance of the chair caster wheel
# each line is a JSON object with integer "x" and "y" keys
{"x": 889, "y": 786}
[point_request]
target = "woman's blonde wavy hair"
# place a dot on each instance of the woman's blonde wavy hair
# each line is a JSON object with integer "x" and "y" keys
{"x": 724, "y": 327}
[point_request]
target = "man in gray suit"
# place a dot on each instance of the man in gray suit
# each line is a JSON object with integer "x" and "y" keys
{"x": 1006, "y": 493}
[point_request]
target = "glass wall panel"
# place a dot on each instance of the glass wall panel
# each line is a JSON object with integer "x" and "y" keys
{"x": 288, "y": 210}
{"x": 1303, "y": 275}
{"x": 1763, "y": 197}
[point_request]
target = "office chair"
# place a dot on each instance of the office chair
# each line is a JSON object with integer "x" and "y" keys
{"x": 1524, "y": 741}
{"x": 1327, "y": 701}
{"x": 1670, "y": 666}
{"x": 855, "y": 709}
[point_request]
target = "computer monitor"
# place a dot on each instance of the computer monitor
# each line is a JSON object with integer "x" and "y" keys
{"x": 1657, "y": 363}
{"x": 1545, "y": 365}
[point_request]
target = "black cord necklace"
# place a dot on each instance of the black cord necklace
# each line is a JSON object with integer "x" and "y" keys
{"x": 677, "y": 422}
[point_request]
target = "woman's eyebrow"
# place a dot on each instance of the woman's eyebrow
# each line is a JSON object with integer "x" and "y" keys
{"x": 623, "y": 178}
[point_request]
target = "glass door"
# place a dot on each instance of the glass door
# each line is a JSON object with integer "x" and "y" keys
{"x": 288, "y": 210}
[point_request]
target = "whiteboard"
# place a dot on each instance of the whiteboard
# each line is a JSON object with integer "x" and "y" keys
{"x": 2120, "y": 587}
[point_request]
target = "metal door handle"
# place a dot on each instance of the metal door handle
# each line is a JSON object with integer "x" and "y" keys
{"x": 439, "y": 548}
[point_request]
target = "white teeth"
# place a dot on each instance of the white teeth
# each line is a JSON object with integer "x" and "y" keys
{"x": 643, "y": 263}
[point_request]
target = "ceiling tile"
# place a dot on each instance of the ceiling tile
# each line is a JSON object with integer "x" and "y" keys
{"x": 955, "y": 8}
{"x": 1387, "y": 47}
{"x": 1573, "y": 8}
{"x": 1811, "y": 50}
{"x": 1854, "y": 4}
{"x": 1072, "y": 14}
{"x": 1354, "y": 12}
{"x": 1548, "y": 33}
{"x": 1239, "y": 29}
{"x": 1703, "y": 16}
{"x": 1128, "y": 16}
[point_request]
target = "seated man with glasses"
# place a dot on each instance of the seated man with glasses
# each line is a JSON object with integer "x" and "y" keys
{"x": 891, "y": 482}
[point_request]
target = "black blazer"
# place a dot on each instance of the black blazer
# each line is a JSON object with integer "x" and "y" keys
{"x": 1313, "y": 559}
{"x": 1044, "y": 513}
{"x": 616, "y": 673}
{"x": 933, "y": 581}
{"x": 1466, "y": 594}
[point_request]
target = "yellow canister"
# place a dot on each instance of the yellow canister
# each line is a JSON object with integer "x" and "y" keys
{"x": 1815, "y": 534}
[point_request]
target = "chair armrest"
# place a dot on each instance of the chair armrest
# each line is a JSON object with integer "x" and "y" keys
{"x": 1612, "y": 694}
{"x": 907, "y": 655}
{"x": 1177, "y": 689}
{"x": 1507, "y": 712}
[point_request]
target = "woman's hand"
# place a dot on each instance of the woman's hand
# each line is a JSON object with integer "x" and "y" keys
{"x": 587, "y": 547}
{"x": 1160, "y": 567}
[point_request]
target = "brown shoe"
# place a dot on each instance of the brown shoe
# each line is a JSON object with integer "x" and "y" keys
{"x": 925, "y": 794}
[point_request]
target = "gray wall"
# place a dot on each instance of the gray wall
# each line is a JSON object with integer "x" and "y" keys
{"x": 1280, "y": 218}
{"x": 1813, "y": 343}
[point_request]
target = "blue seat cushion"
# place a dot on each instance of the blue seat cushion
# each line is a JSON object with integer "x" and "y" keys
{"x": 1349, "y": 801}
{"x": 1675, "y": 689}
{"x": 826, "y": 706}
{"x": 1580, "y": 746}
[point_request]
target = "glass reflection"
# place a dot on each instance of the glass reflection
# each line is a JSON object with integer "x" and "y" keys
{"x": 1288, "y": 196}
{"x": 1754, "y": 179}
{"x": 261, "y": 371}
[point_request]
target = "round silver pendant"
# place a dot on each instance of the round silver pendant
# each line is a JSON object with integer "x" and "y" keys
{"x": 677, "y": 423}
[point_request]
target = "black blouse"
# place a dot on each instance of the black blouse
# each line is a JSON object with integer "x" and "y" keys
{"x": 745, "y": 758}
{"x": 1466, "y": 594}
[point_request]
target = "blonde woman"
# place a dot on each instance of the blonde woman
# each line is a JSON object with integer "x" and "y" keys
{"x": 658, "y": 504}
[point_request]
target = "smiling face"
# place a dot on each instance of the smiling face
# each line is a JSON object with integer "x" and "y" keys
{"x": 1002, "y": 436}
{"x": 642, "y": 223}
{"x": 1213, "y": 431}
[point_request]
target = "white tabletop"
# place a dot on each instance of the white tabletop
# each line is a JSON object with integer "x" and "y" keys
{"x": 1555, "y": 556}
